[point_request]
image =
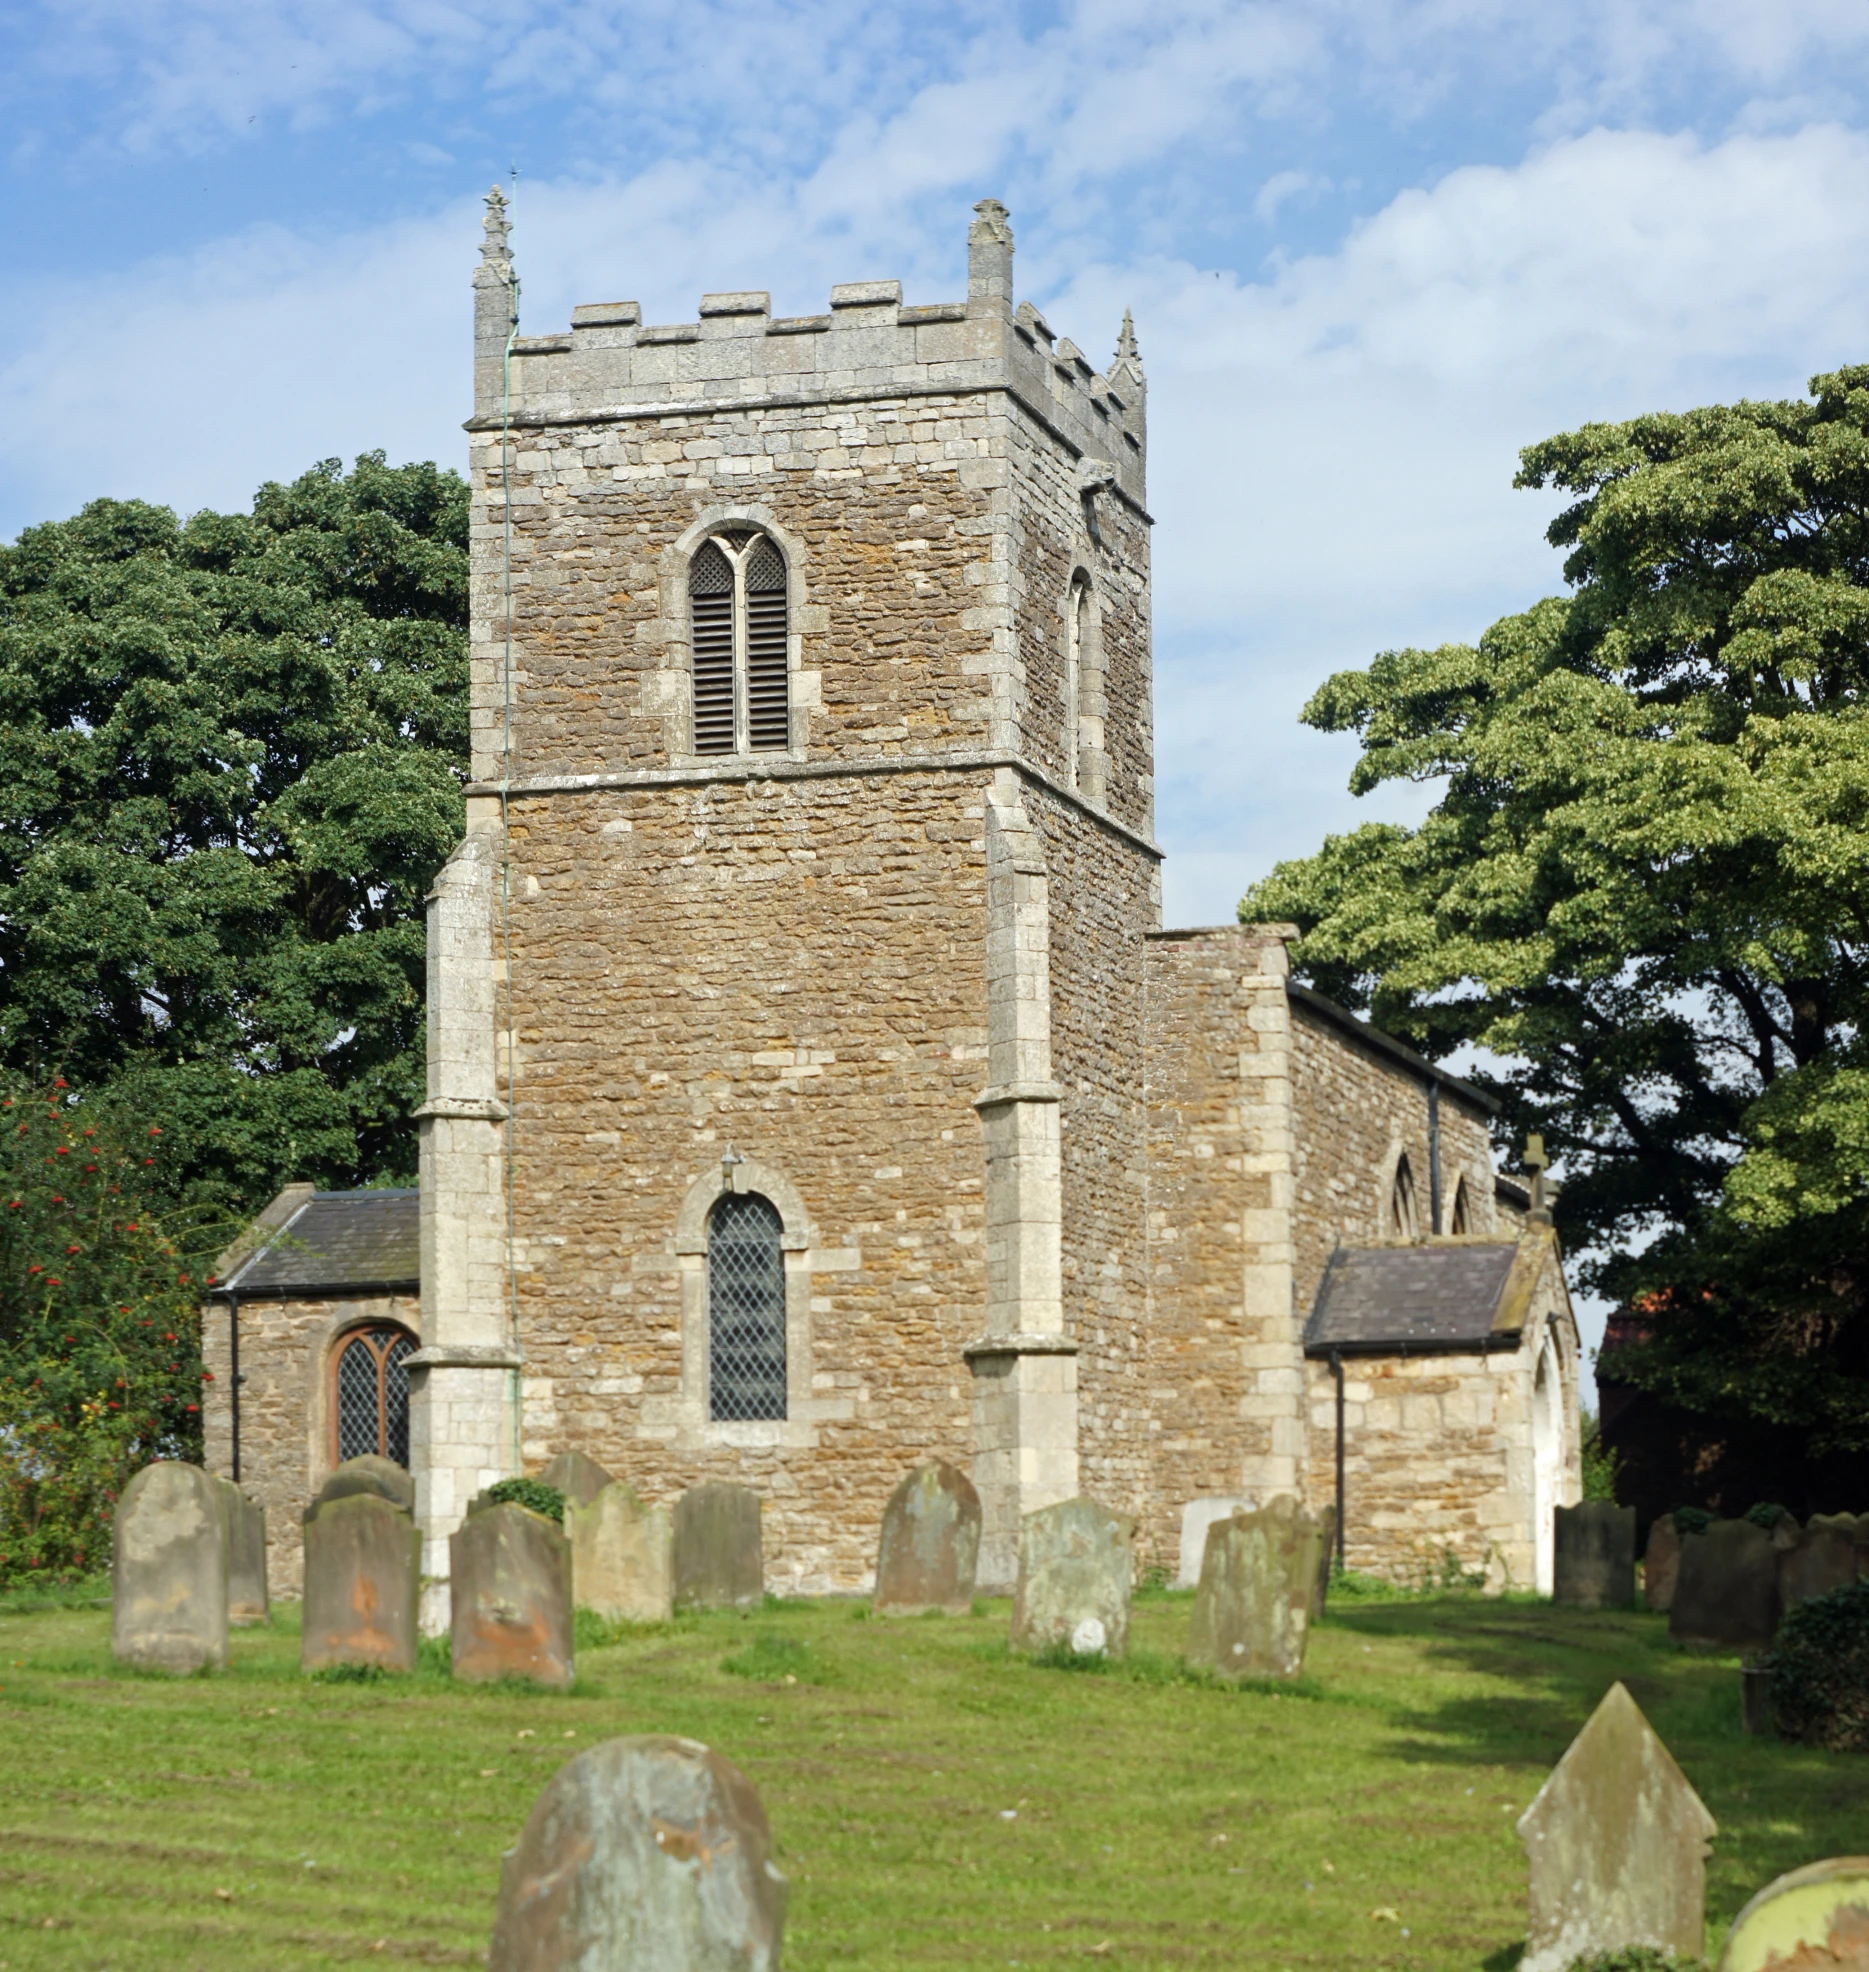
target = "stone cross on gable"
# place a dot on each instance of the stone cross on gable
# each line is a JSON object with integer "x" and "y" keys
{"x": 1617, "y": 1843}
{"x": 1537, "y": 1163}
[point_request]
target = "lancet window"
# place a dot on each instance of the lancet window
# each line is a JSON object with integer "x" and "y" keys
{"x": 370, "y": 1394}
{"x": 745, "y": 1309}
{"x": 742, "y": 683}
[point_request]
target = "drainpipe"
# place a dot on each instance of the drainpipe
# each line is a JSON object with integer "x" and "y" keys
{"x": 1336, "y": 1370}
{"x": 1434, "y": 1155}
{"x": 233, "y": 1374}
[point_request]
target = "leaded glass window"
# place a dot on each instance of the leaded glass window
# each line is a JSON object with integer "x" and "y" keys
{"x": 745, "y": 1309}
{"x": 370, "y": 1394}
{"x": 742, "y": 676}
{"x": 1404, "y": 1220}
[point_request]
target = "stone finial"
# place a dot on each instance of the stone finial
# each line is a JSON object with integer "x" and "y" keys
{"x": 1537, "y": 1163}
{"x": 989, "y": 259}
{"x": 1128, "y": 360}
{"x": 495, "y": 247}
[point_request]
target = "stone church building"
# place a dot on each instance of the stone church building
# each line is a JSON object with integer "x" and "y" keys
{"x": 812, "y": 1087}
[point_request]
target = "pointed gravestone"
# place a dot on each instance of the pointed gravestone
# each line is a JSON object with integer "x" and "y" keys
{"x": 1252, "y": 1612}
{"x": 1817, "y": 1916}
{"x": 1726, "y": 1590}
{"x": 577, "y": 1477}
{"x": 1821, "y": 1559}
{"x": 649, "y": 1853}
{"x": 168, "y": 1574}
{"x": 622, "y": 1555}
{"x": 1617, "y": 1842}
{"x": 371, "y": 1474}
{"x": 509, "y": 1591}
{"x": 719, "y": 1562}
{"x": 1593, "y": 1555}
{"x": 245, "y": 1524}
{"x": 930, "y": 1544}
{"x": 1076, "y": 1563}
{"x": 362, "y": 1569}
{"x": 1661, "y": 1562}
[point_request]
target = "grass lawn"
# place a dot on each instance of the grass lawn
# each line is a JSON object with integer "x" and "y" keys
{"x": 936, "y": 1803}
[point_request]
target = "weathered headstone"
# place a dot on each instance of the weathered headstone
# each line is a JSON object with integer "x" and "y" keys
{"x": 930, "y": 1544}
{"x": 1326, "y": 1558}
{"x": 1593, "y": 1555}
{"x": 719, "y": 1562}
{"x": 509, "y": 1588}
{"x": 1814, "y": 1917}
{"x": 370, "y": 1473}
{"x": 362, "y": 1569}
{"x": 649, "y": 1853}
{"x": 245, "y": 1520}
{"x": 1617, "y": 1843}
{"x": 1726, "y": 1589}
{"x": 168, "y": 1573}
{"x": 622, "y": 1556}
{"x": 1196, "y": 1517}
{"x": 1252, "y": 1612}
{"x": 1822, "y": 1558}
{"x": 577, "y": 1477}
{"x": 1661, "y": 1562}
{"x": 1076, "y": 1564}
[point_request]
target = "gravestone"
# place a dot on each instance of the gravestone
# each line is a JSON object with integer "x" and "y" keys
{"x": 245, "y": 1525}
{"x": 362, "y": 1573}
{"x": 1196, "y": 1517}
{"x": 1821, "y": 1559}
{"x": 1617, "y": 1843}
{"x": 1252, "y": 1612}
{"x": 370, "y": 1473}
{"x": 577, "y": 1477}
{"x": 168, "y": 1571}
{"x": 719, "y": 1562}
{"x": 622, "y": 1556}
{"x": 1593, "y": 1555}
{"x": 509, "y": 1589}
{"x": 930, "y": 1544}
{"x": 1076, "y": 1563}
{"x": 1661, "y": 1563}
{"x": 1726, "y": 1589}
{"x": 1326, "y": 1558}
{"x": 1811, "y": 1918}
{"x": 649, "y": 1853}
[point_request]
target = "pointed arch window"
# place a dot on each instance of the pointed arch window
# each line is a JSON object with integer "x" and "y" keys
{"x": 370, "y": 1394}
{"x": 1404, "y": 1217}
{"x": 1076, "y": 654}
{"x": 1460, "y": 1222}
{"x": 745, "y": 1309}
{"x": 740, "y": 636}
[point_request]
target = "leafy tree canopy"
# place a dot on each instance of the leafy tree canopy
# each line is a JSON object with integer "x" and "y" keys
{"x": 1645, "y": 886}
{"x": 231, "y": 756}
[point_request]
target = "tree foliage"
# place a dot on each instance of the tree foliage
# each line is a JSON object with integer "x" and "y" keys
{"x": 1645, "y": 886}
{"x": 231, "y": 757}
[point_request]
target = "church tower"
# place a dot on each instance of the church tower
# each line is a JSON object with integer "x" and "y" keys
{"x": 785, "y": 1117}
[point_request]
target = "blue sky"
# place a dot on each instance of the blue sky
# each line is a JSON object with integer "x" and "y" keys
{"x": 1372, "y": 250}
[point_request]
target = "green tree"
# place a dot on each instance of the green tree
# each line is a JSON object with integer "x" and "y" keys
{"x": 231, "y": 758}
{"x": 1645, "y": 885}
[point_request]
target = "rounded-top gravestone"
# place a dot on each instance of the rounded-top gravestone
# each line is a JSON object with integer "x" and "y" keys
{"x": 1076, "y": 1566}
{"x": 245, "y": 1527}
{"x": 509, "y": 1593}
{"x": 930, "y": 1544}
{"x": 168, "y": 1575}
{"x": 577, "y": 1477}
{"x": 1814, "y": 1919}
{"x": 370, "y": 1473}
{"x": 622, "y": 1556}
{"x": 362, "y": 1559}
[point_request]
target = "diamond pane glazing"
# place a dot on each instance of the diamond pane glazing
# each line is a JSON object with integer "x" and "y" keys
{"x": 396, "y": 1399}
{"x": 745, "y": 1310}
{"x": 359, "y": 1415}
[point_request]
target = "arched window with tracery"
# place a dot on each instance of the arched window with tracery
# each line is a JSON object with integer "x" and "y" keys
{"x": 1404, "y": 1218}
{"x": 1461, "y": 1220}
{"x": 370, "y": 1393}
{"x": 745, "y": 1309}
{"x": 740, "y": 634}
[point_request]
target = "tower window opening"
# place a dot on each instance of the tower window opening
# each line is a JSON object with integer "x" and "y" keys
{"x": 1076, "y": 640}
{"x": 745, "y": 1309}
{"x": 742, "y": 680}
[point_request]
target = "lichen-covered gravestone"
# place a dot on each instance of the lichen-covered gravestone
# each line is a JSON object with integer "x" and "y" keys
{"x": 930, "y": 1544}
{"x": 1076, "y": 1564}
{"x": 719, "y": 1561}
{"x": 247, "y": 1599}
{"x": 1822, "y": 1558}
{"x": 652, "y": 1854}
{"x": 168, "y": 1573}
{"x": 1814, "y": 1919}
{"x": 1617, "y": 1843}
{"x": 362, "y": 1562}
{"x": 1593, "y": 1558}
{"x": 1196, "y": 1517}
{"x": 1661, "y": 1562}
{"x": 509, "y": 1590}
{"x": 1258, "y": 1585}
{"x": 622, "y": 1556}
{"x": 577, "y": 1477}
{"x": 1726, "y": 1589}
{"x": 370, "y": 1473}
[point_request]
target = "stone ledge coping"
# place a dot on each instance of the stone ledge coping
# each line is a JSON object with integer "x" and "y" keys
{"x": 464, "y": 1109}
{"x": 1019, "y": 1092}
{"x": 462, "y": 1355}
{"x": 1013, "y": 1345}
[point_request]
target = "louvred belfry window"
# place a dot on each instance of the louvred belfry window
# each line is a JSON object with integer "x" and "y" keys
{"x": 370, "y": 1394}
{"x": 742, "y": 684}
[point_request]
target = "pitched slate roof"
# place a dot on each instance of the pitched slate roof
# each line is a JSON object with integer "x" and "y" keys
{"x": 337, "y": 1242}
{"x": 1390, "y": 1300}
